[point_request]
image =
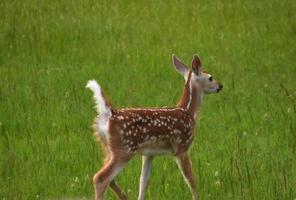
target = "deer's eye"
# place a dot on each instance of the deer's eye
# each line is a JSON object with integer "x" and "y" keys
{"x": 210, "y": 78}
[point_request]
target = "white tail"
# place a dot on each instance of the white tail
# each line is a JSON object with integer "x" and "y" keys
{"x": 101, "y": 105}
{"x": 150, "y": 132}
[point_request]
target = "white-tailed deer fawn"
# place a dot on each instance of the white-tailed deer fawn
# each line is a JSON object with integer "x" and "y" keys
{"x": 150, "y": 131}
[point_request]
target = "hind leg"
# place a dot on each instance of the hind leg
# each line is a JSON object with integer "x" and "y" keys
{"x": 116, "y": 189}
{"x": 103, "y": 178}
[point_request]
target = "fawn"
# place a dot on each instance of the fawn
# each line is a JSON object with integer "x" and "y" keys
{"x": 148, "y": 132}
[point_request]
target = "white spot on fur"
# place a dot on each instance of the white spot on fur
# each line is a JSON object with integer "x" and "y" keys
{"x": 178, "y": 140}
{"x": 177, "y": 131}
{"x": 146, "y": 138}
{"x": 120, "y": 117}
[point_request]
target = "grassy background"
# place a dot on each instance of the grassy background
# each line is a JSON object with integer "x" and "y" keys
{"x": 246, "y": 141}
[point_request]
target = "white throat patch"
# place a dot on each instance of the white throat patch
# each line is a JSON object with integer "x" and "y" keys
{"x": 190, "y": 93}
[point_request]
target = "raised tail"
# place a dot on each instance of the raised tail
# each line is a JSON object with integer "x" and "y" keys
{"x": 102, "y": 106}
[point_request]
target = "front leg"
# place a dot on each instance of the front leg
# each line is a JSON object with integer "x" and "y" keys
{"x": 146, "y": 168}
{"x": 184, "y": 164}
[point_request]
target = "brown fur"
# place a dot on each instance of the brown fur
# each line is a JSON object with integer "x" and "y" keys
{"x": 151, "y": 131}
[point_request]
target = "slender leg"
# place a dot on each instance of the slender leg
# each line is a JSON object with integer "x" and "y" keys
{"x": 116, "y": 189}
{"x": 146, "y": 168}
{"x": 184, "y": 164}
{"x": 103, "y": 178}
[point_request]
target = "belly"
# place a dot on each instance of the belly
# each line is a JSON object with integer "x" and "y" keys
{"x": 151, "y": 149}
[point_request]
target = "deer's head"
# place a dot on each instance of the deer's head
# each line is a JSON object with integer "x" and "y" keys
{"x": 197, "y": 77}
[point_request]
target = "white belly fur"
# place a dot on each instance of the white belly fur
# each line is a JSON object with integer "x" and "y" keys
{"x": 152, "y": 152}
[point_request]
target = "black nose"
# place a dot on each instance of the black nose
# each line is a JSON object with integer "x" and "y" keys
{"x": 220, "y": 87}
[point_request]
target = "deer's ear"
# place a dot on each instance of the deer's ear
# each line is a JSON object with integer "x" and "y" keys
{"x": 180, "y": 66}
{"x": 196, "y": 65}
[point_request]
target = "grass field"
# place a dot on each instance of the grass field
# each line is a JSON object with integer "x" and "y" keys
{"x": 245, "y": 146}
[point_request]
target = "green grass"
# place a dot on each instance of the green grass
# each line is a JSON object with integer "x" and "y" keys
{"x": 245, "y": 146}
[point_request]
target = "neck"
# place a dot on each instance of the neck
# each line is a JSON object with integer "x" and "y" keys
{"x": 191, "y": 98}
